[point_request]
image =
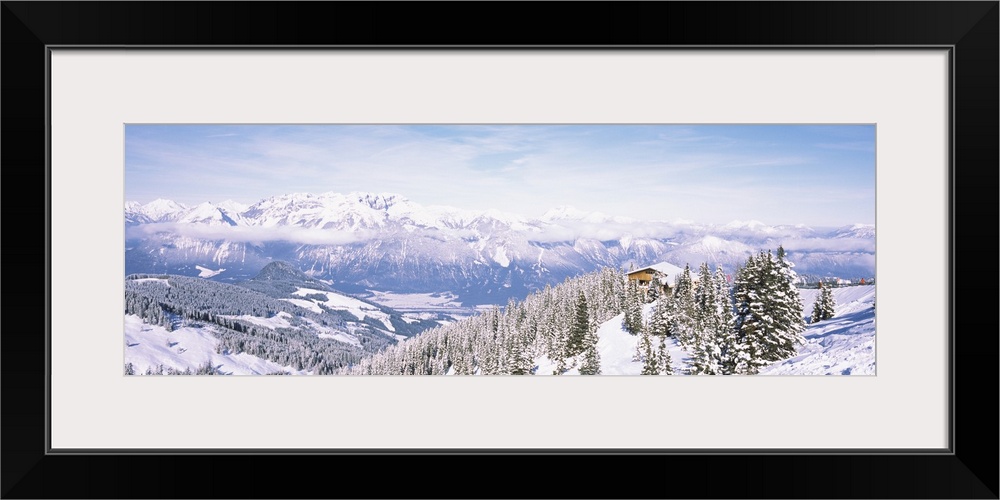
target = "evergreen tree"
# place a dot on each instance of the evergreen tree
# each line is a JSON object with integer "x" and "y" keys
{"x": 828, "y": 303}
{"x": 726, "y": 335}
{"x": 665, "y": 361}
{"x": 682, "y": 323}
{"x": 707, "y": 325}
{"x": 823, "y": 306}
{"x": 632, "y": 320}
{"x": 768, "y": 312}
{"x": 579, "y": 327}
{"x": 650, "y": 365}
{"x": 788, "y": 311}
{"x": 591, "y": 358}
{"x": 660, "y": 317}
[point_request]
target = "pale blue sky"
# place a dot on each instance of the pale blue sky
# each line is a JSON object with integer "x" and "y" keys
{"x": 819, "y": 175}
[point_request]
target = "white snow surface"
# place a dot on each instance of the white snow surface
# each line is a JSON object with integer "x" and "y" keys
{"x": 425, "y": 304}
{"x": 354, "y": 306}
{"x": 842, "y": 345}
{"x": 279, "y": 320}
{"x": 153, "y": 280}
{"x": 190, "y": 347}
{"x": 500, "y": 256}
{"x": 305, "y": 304}
{"x": 204, "y": 272}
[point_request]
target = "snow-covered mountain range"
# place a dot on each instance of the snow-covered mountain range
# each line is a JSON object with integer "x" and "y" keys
{"x": 385, "y": 242}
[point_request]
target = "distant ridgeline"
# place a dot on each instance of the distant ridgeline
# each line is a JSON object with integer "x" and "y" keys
{"x": 362, "y": 242}
{"x": 318, "y": 339}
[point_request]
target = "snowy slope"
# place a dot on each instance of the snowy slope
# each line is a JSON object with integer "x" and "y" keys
{"x": 147, "y": 346}
{"x": 843, "y": 345}
{"x": 616, "y": 348}
{"x": 339, "y": 302}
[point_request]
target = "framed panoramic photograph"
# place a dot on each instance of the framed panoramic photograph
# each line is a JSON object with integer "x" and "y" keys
{"x": 668, "y": 253}
{"x": 418, "y": 266}
{"x": 511, "y": 239}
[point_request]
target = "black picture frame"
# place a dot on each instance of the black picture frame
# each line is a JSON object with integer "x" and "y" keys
{"x": 970, "y": 29}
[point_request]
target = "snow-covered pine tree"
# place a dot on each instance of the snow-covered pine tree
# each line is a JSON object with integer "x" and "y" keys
{"x": 665, "y": 362}
{"x": 788, "y": 311}
{"x": 591, "y": 364}
{"x": 576, "y": 342}
{"x": 726, "y": 335}
{"x": 682, "y": 321}
{"x": 650, "y": 365}
{"x": 829, "y": 304}
{"x": 819, "y": 310}
{"x": 519, "y": 356}
{"x": 768, "y": 312}
{"x": 660, "y": 317}
{"x": 707, "y": 327}
{"x": 632, "y": 320}
{"x": 747, "y": 357}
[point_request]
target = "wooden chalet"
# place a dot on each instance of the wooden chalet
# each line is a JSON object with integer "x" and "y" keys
{"x": 664, "y": 274}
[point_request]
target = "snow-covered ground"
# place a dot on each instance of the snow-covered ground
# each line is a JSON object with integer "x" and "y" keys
{"x": 843, "y": 345}
{"x": 617, "y": 348}
{"x": 340, "y": 302}
{"x": 153, "y": 280}
{"x": 279, "y": 320}
{"x": 148, "y": 346}
{"x": 444, "y": 302}
{"x": 204, "y": 272}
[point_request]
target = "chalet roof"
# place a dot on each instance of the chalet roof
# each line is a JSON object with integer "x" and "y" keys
{"x": 668, "y": 270}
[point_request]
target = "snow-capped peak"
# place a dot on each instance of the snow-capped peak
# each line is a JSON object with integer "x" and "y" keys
{"x": 233, "y": 207}
{"x": 207, "y": 213}
{"x": 857, "y": 231}
{"x": 160, "y": 210}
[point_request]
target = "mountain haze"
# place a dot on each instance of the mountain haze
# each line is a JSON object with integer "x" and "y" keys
{"x": 368, "y": 241}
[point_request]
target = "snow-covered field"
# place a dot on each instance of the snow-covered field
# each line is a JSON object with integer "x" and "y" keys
{"x": 147, "y": 346}
{"x": 162, "y": 281}
{"x": 424, "y": 305}
{"x": 279, "y": 320}
{"x": 843, "y": 345}
{"x": 204, "y": 272}
{"x": 340, "y": 302}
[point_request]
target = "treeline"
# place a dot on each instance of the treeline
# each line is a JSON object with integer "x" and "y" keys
{"x": 187, "y": 301}
{"x": 728, "y": 328}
